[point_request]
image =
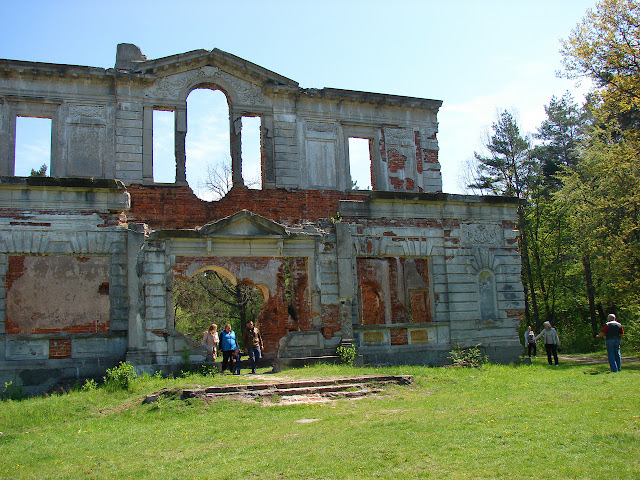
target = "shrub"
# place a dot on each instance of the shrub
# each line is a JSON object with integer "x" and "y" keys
{"x": 89, "y": 385}
{"x": 207, "y": 370}
{"x": 12, "y": 392}
{"x": 347, "y": 354}
{"x": 577, "y": 337}
{"x": 467, "y": 357}
{"x": 119, "y": 377}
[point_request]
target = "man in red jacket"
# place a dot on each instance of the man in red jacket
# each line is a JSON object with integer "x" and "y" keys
{"x": 613, "y": 332}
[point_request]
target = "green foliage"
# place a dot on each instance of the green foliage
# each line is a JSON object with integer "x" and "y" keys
{"x": 209, "y": 298}
{"x": 120, "y": 376}
{"x": 576, "y": 336}
{"x": 185, "y": 355}
{"x": 507, "y": 168}
{"x": 41, "y": 172}
{"x": 604, "y": 47}
{"x": 347, "y": 354}
{"x": 12, "y": 392}
{"x": 467, "y": 357}
{"x": 203, "y": 370}
{"x": 89, "y": 385}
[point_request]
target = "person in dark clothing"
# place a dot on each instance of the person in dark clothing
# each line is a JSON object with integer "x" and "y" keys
{"x": 530, "y": 342}
{"x": 236, "y": 362}
{"x": 253, "y": 344}
{"x": 613, "y": 332}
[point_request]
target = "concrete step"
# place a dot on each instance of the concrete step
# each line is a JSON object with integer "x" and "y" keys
{"x": 323, "y": 387}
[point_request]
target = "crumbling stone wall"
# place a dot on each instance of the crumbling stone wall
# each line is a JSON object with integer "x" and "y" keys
{"x": 404, "y": 271}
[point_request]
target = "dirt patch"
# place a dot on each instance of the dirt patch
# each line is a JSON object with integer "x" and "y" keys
{"x": 596, "y": 359}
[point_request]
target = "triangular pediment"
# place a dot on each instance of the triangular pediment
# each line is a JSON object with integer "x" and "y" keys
{"x": 243, "y": 224}
{"x": 195, "y": 59}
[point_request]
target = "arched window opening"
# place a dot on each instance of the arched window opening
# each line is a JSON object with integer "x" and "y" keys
{"x": 33, "y": 147}
{"x": 164, "y": 159}
{"x": 207, "y": 145}
{"x": 214, "y": 295}
{"x": 360, "y": 163}
{"x": 251, "y": 154}
{"x": 487, "y": 296}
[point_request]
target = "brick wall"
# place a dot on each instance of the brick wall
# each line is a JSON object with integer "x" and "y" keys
{"x": 405, "y": 306}
{"x": 60, "y": 348}
{"x": 178, "y": 207}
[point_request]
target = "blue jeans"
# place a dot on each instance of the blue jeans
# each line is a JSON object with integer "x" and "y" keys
{"x": 613, "y": 354}
{"x": 255, "y": 356}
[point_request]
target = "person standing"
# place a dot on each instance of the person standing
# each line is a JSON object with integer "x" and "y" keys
{"x": 530, "y": 342}
{"x": 210, "y": 341}
{"x": 613, "y": 332}
{"x": 253, "y": 344}
{"x": 551, "y": 342}
{"x": 228, "y": 344}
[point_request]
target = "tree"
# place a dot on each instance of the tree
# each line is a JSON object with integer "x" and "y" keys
{"x": 41, "y": 172}
{"x": 509, "y": 170}
{"x": 219, "y": 180}
{"x": 553, "y": 246}
{"x": 605, "y": 47}
{"x": 560, "y": 134}
{"x": 601, "y": 193}
{"x": 210, "y": 298}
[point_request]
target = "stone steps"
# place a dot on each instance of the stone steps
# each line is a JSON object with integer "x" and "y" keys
{"x": 299, "y": 391}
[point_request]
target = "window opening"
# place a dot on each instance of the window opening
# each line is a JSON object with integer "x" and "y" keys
{"x": 164, "y": 159}
{"x": 33, "y": 146}
{"x": 251, "y": 154}
{"x": 208, "y": 163}
{"x": 360, "y": 163}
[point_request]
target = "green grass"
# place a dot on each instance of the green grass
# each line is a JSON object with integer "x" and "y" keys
{"x": 575, "y": 421}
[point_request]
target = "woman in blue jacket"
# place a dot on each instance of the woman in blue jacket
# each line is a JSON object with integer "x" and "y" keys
{"x": 228, "y": 344}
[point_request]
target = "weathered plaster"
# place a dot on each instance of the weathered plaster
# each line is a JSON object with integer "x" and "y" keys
{"x": 404, "y": 271}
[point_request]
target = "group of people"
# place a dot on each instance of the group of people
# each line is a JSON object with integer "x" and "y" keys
{"x": 227, "y": 343}
{"x": 612, "y": 331}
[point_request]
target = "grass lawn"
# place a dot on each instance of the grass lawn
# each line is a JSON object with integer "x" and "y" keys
{"x": 574, "y": 421}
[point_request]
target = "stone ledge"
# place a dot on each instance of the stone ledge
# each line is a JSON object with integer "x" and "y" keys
{"x": 66, "y": 194}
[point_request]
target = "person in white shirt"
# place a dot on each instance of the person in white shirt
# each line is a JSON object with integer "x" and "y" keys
{"x": 530, "y": 342}
{"x": 210, "y": 341}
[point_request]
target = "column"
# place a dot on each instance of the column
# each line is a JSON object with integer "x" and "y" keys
{"x": 180, "y": 146}
{"x": 235, "y": 135}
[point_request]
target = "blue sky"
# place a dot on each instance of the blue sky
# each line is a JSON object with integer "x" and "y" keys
{"x": 478, "y": 57}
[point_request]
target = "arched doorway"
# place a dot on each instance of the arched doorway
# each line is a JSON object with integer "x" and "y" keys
{"x": 214, "y": 295}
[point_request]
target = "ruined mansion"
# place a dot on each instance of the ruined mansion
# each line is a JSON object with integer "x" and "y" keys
{"x": 89, "y": 254}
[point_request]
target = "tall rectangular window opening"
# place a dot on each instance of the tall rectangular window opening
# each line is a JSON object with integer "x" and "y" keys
{"x": 33, "y": 146}
{"x": 360, "y": 163}
{"x": 251, "y": 153}
{"x": 164, "y": 158}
